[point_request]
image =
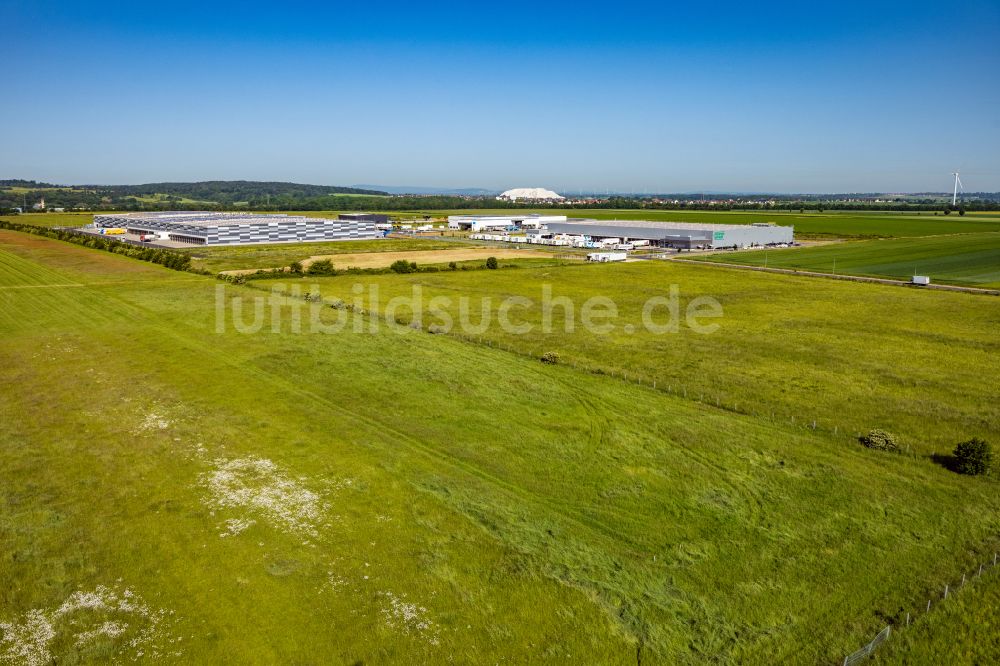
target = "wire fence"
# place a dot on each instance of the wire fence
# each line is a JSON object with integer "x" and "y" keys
{"x": 860, "y": 655}
{"x": 866, "y": 650}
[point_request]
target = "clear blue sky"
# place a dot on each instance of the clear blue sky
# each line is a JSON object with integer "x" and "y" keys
{"x": 787, "y": 97}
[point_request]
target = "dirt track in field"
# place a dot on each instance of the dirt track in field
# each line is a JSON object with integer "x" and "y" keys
{"x": 385, "y": 259}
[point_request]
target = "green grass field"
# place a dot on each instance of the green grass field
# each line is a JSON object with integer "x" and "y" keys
{"x": 798, "y": 348}
{"x": 398, "y": 496}
{"x": 971, "y": 260}
{"x": 964, "y": 629}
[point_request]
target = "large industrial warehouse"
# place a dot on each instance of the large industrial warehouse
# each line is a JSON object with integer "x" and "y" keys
{"x": 501, "y": 222}
{"x": 681, "y": 235}
{"x": 207, "y": 228}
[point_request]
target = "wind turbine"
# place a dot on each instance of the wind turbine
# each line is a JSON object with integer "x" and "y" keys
{"x": 958, "y": 184}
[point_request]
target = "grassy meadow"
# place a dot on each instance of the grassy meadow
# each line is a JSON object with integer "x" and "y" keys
{"x": 847, "y": 356}
{"x": 175, "y": 491}
{"x": 970, "y": 260}
{"x": 964, "y": 629}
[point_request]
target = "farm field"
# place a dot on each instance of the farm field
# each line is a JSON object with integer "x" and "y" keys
{"x": 784, "y": 342}
{"x": 225, "y": 258}
{"x": 971, "y": 260}
{"x": 393, "y": 495}
{"x": 420, "y": 257}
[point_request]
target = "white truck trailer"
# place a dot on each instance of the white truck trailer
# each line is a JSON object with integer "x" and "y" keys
{"x": 603, "y": 257}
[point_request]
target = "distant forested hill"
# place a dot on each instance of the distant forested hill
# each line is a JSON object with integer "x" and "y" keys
{"x": 158, "y": 196}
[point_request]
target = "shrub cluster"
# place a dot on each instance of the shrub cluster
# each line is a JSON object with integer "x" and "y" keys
{"x": 177, "y": 261}
{"x": 973, "y": 457}
{"x": 879, "y": 440}
{"x": 550, "y": 357}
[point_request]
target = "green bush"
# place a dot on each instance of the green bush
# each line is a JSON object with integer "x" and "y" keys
{"x": 491, "y": 263}
{"x": 452, "y": 266}
{"x": 402, "y": 266}
{"x": 973, "y": 457}
{"x": 295, "y": 267}
{"x": 879, "y": 440}
{"x": 550, "y": 357}
{"x": 321, "y": 267}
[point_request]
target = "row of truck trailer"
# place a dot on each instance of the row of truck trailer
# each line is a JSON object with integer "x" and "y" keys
{"x": 565, "y": 240}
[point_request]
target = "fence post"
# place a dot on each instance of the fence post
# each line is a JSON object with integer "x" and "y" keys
{"x": 946, "y": 591}
{"x": 907, "y": 618}
{"x": 980, "y": 570}
{"x": 963, "y": 580}
{"x": 928, "y": 606}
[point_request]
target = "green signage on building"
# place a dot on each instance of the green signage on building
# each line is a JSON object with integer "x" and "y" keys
{"x": 719, "y": 235}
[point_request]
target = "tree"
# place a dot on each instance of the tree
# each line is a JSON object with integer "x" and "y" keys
{"x": 961, "y": 211}
{"x": 973, "y": 457}
{"x": 491, "y": 263}
{"x": 452, "y": 266}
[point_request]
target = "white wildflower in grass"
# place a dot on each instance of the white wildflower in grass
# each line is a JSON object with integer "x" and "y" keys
{"x": 408, "y": 618}
{"x": 258, "y": 485}
{"x": 104, "y": 614}
{"x": 152, "y": 422}
{"x": 108, "y": 629}
{"x": 234, "y": 526}
{"x": 26, "y": 642}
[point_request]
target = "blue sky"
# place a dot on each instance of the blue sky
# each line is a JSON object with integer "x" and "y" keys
{"x": 787, "y": 97}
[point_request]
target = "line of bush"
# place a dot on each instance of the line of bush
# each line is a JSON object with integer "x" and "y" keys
{"x": 974, "y": 457}
{"x": 325, "y": 268}
{"x": 177, "y": 261}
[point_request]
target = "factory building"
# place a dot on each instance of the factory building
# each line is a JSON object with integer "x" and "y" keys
{"x": 208, "y": 228}
{"x": 476, "y": 223}
{"x": 681, "y": 235}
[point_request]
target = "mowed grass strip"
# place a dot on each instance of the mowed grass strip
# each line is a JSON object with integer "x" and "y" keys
{"x": 971, "y": 260}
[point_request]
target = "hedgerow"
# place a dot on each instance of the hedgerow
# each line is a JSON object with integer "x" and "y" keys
{"x": 177, "y": 261}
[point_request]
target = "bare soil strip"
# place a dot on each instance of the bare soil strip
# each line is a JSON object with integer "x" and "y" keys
{"x": 385, "y": 259}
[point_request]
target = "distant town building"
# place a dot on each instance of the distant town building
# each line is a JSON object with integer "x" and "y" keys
{"x": 40, "y": 205}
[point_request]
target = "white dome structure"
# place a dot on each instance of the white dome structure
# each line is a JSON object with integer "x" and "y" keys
{"x": 530, "y": 194}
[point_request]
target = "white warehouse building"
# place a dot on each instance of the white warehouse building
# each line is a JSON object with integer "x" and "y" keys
{"x": 210, "y": 228}
{"x": 476, "y": 223}
{"x": 681, "y": 235}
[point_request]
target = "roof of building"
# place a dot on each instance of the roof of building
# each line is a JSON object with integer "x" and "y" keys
{"x": 212, "y": 219}
{"x": 530, "y": 193}
{"x": 649, "y": 224}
